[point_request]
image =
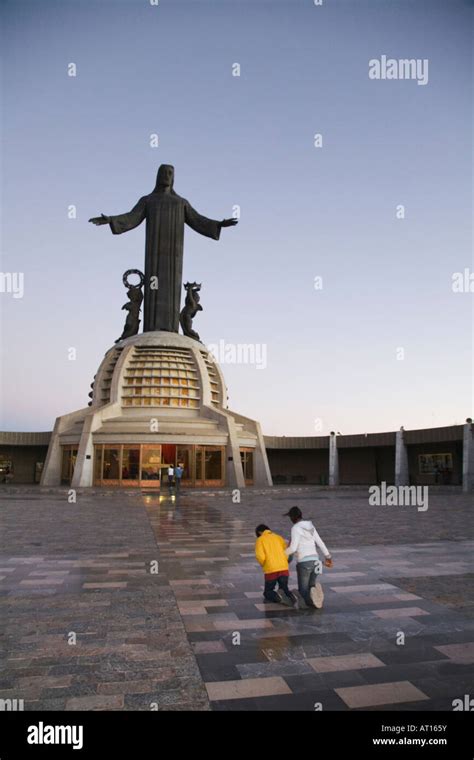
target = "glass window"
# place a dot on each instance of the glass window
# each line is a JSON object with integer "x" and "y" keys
{"x": 98, "y": 463}
{"x": 130, "y": 463}
{"x": 247, "y": 463}
{"x": 213, "y": 465}
{"x": 67, "y": 464}
{"x": 184, "y": 458}
{"x": 151, "y": 463}
{"x": 199, "y": 461}
{"x": 111, "y": 464}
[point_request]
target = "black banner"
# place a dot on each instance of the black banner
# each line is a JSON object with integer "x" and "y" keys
{"x": 98, "y": 734}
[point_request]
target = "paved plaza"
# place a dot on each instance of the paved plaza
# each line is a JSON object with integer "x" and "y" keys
{"x": 138, "y": 601}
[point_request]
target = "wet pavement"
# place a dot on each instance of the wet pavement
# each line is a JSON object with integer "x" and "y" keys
{"x": 130, "y": 600}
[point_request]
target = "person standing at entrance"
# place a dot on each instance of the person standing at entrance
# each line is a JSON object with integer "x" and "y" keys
{"x": 7, "y": 475}
{"x": 170, "y": 475}
{"x": 305, "y": 540}
{"x": 178, "y": 474}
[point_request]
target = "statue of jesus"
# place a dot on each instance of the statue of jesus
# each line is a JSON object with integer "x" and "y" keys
{"x": 166, "y": 213}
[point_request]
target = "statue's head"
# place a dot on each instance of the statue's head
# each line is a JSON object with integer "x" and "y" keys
{"x": 165, "y": 177}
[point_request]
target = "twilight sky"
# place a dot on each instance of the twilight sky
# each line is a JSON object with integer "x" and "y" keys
{"x": 332, "y": 354}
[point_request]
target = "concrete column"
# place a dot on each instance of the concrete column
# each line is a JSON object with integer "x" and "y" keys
{"x": 402, "y": 477}
{"x": 234, "y": 472}
{"x": 262, "y": 476}
{"x": 468, "y": 457}
{"x": 333, "y": 461}
{"x": 51, "y": 475}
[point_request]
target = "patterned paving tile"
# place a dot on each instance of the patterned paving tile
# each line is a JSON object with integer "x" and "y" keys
{"x": 459, "y": 652}
{"x": 270, "y": 607}
{"x": 382, "y": 598}
{"x": 400, "y": 612}
{"x": 248, "y": 688}
{"x": 209, "y": 647}
{"x": 345, "y": 662}
{"x": 368, "y": 587}
{"x": 380, "y": 694}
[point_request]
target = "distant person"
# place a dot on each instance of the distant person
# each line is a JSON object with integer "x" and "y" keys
{"x": 8, "y": 475}
{"x": 178, "y": 474}
{"x": 170, "y": 475}
{"x": 270, "y": 553}
{"x": 304, "y": 542}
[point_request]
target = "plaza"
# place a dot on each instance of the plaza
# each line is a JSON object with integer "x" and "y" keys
{"x": 135, "y": 599}
{"x": 236, "y": 432}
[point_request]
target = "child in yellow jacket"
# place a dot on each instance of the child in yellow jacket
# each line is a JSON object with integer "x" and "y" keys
{"x": 270, "y": 553}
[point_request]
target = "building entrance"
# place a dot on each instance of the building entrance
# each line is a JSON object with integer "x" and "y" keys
{"x": 146, "y": 465}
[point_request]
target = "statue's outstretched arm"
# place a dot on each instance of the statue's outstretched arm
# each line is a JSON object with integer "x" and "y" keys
{"x": 123, "y": 222}
{"x": 199, "y": 223}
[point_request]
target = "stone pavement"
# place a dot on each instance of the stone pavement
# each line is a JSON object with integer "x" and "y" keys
{"x": 197, "y": 635}
{"x": 87, "y": 623}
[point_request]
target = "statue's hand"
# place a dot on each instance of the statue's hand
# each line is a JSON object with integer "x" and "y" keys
{"x": 102, "y": 219}
{"x": 229, "y": 222}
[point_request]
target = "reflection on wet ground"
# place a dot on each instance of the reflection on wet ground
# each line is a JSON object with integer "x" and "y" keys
{"x": 374, "y": 644}
{"x": 130, "y": 600}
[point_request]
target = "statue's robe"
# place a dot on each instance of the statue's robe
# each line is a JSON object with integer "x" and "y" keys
{"x": 165, "y": 214}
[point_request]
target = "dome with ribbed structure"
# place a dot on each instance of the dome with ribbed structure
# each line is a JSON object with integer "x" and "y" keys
{"x": 159, "y": 369}
{"x": 158, "y": 401}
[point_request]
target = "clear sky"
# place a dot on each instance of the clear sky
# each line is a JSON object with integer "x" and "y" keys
{"x": 306, "y": 212}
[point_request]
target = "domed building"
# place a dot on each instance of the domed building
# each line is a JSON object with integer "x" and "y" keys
{"x": 158, "y": 399}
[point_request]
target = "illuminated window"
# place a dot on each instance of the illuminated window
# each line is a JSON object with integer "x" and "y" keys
{"x": 169, "y": 376}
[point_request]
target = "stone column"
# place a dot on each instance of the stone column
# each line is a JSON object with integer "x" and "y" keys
{"x": 333, "y": 461}
{"x": 468, "y": 457}
{"x": 402, "y": 477}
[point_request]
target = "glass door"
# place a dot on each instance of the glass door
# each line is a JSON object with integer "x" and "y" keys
{"x": 246, "y": 457}
{"x": 151, "y": 466}
{"x": 131, "y": 466}
{"x": 68, "y": 462}
{"x": 184, "y": 457}
{"x": 210, "y": 466}
{"x": 111, "y": 466}
{"x": 199, "y": 481}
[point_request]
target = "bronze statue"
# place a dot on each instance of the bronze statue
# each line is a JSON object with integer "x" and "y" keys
{"x": 135, "y": 295}
{"x": 191, "y": 308}
{"x": 166, "y": 213}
